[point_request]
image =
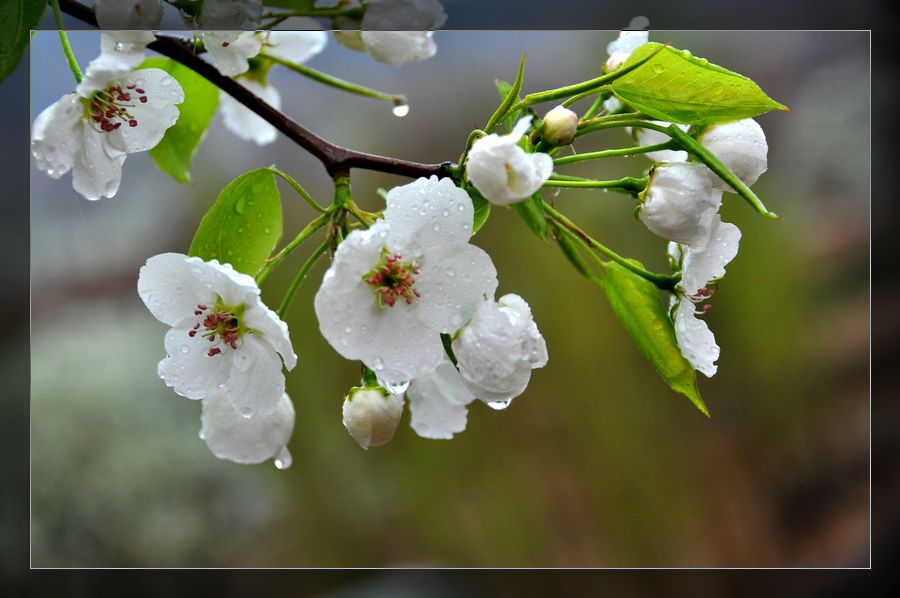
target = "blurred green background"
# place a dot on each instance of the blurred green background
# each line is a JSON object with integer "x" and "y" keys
{"x": 597, "y": 464}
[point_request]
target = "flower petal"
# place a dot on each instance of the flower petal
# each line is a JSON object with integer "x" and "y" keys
{"x": 741, "y": 145}
{"x": 245, "y": 123}
{"x": 188, "y": 369}
{"x": 230, "y": 14}
{"x": 256, "y": 382}
{"x": 701, "y": 265}
{"x": 97, "y": 170}
{"x": 273, "y": 330}
{"x": 231, "y": 436}
{"x": 399, "y": 47}
{"x": 229, "y": 50}
{"x": 156, "y": 115}
{"x": 433, "y": 212}
{"x": 437, "y": 402}
{"x": 296, "y": 46}
{"x": 126, "y": 46}
{"x": 100, "y": 72}
{"x": 453, "y": 285}
{"x": 129, "y": 14}
{"x": 56, "y": 135}
{"x": 680, "y": 202}
{"x": 647, "y": 137}
{"x": 696, "y": 341}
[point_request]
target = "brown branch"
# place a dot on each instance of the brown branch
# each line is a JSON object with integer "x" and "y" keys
{"x": 337, "y": 160}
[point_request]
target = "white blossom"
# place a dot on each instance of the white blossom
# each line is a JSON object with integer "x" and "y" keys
{"x": 398, "y": 32}
{"x": 647, "y": 137}
{"x": 223, "y": 337}
{"x": 437, "y": 402}
{"x": 502, "y": 171}
{"x": 231, "y": 50}
{"x": 371, "y": 415}
{"x": 126, "y": 46}
{"x": 680, "y": 202}
{"x": 741, "y": 146}
{"x": 296, "y": 46}
{"x": 230, "y": 14}
{"x": 394, "y": 288}
{"x": 230, "y": 435}
{"x": 245, "y": 123}
{"x": 498, "y": 348}
{"x": 695, "y": 340}
{"x": 620, "y": 49}
{"x": 403, "y": 15}
{"x": 112, "y": 113}
{"x": 399, "y": 47}
{"x": 131, "y": 15}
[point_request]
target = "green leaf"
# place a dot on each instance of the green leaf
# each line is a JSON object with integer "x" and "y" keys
{"x": 175, "y": 152}
{"x": 636, "y": 302}
{"x": 482, "y": 208}
{"x": 532, "y": 212}
{"x": 677, "y": 87}
{"x": 17, "y": 19}
{"x": 244, "y": 225}
{"x": 509, "y": 95}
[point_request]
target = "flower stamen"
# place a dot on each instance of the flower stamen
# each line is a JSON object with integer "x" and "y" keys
{"x": 392, "y": 280}
{"x": 219, "y": 323}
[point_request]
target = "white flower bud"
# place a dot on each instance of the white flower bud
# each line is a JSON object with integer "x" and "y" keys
{"x": 620, "y": 49}
{"x": 647, "y": 137}
{"x": 371, "y": 415}
{"x": 680, "y": 202}
{"x": 559, "y": 126}
{"x": 498, "y": 349}
{"x": 741, "y": 146}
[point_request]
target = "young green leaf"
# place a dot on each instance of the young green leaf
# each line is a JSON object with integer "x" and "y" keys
{"x": 677, "y": 87}
{"x": 636, "y": 302}
{"x": 510, "y": 97}
{"x": 482, "y": 208}
{"x": 532, "y": 212}
{"x": 244, "y": 225}
{"x": 503, "y": 88}
{"x": 17, "y": 19}
{"x": 175, "y": 152}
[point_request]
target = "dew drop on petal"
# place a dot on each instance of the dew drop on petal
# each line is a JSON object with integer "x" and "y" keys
{"x": 445, "y": 213}
{"x": 378, "y": 364}
{"x": 242, "y": 362}
{"x": 245, "y": 411}
{"x": 201, "y": 435}
{"x": 283, "y": 459}
{"x": 185, "y": 349}
{"x": 348, "y": 330}
{"x": 498, "y": 405}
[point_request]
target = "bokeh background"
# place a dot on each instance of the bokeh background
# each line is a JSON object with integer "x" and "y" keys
{"x": 597, "y": 464}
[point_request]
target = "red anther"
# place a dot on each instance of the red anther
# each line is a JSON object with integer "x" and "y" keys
{"x": 192, "y": 333}
{"x": 417, "y": 293}
{"x": 117, "y": 125}
{"x": 706, "y": 307}
{"x": 214, "y": 351}
{"x": 226, "y": 44}
{"x": 110, "y": 113}
{"x": 143, "y": 99}
{"x": 97, "y": 118}
{"x": 202, "y": 307}
{"x": 389, "y": 300}
{"x": 197, "y": 312}
{"x": 132, "y": 123}
{"x": 197, "y": 325}
{"x": 233, "y": 345}
{"x": 132, "y": 86}
{"x": 409, "y": 300}
{"x": 212, "y": 337}
{"x": 139, "y": 90}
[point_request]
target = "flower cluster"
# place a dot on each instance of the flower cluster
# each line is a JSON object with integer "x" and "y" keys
{"x": 394, "y": 289}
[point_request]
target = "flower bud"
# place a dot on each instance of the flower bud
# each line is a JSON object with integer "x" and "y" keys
{"x": 741, "y": 146}
{"x": 559, "y": 126}
{"x": 371, "y": 415}
{"x": 680, "y": 202}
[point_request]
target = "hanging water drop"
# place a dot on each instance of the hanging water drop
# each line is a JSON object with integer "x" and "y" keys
{"x": 283, "y": 459}
{"x": 401, "y": 108}
{"x": 498, "y": 405}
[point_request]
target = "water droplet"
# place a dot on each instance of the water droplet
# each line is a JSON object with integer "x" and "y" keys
{"x": 658, "y": 68}
{"x": 240, "y": 205}
{"x": 461, "y": 207}
{"x": 245, "y": 411}
{"x": 450, "y": 272}
{"x": 378, "y": 364}
{"x": 240, "y": 230}
{"x": 400, "y": 108}
{"x": 119, "y": 46}
{"x": 166, "y": 82}
{"x": 344, "y": 342}
{"x": 185, "y": 349}
{"x": 267, "y": 230}
{"x": 445, "y": 213}
{"x": 348, "y": 330}
{"x": 201, "y": 435}
{"x": 242, "y": 362}
{"x": 498, "y": 405}
{"x": 436, "y": 227}
{"x": 283, "y": 459}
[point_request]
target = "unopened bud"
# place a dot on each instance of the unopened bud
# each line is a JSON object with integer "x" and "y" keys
{"x": 559, "y": 126}
{"x": 371, "y": 415}
{"x": 741, "y": 146}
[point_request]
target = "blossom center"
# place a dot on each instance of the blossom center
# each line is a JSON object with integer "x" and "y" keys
{"x": 699, "y": 297}
{"x": 220, "y": 325}
{"x": 392, "y": 279}
{"x": 108, "y": 108}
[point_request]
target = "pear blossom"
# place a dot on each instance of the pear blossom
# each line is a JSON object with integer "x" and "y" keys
{"x": 741, "y": 146}
{"x": 559, "y": 126}
{"x": 680, "y": 202}
{"x": 129, "y": 14}
{"x": 223, "y": 337}
{"x": 700, "y": 266}
{"x": 647, "y": 137}
{"x": 498, "y": 348}
{"x": 113, "y": 112}
{"x": 399, "y": 47}
{"x": 296, "y": 46}
{"x": 399, "y": 32}
{"x": 245, "y": 123}
{"x": 231, "y": 50}
{"x": 620, "y": 49}
{"x": 126, "y": 46}
{"x": 438, "y": 402}
{"x": 230, "y": 435}
{"x": 229, "y": 14}
{"x": 394, "y": 288}
{"x": 371, "y": 415}
{"x": 502, "y": 171}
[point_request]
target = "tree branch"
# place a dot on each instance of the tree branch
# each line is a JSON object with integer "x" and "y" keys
{"x": 336, "y": 159}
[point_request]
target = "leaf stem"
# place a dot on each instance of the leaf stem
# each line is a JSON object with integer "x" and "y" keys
{"x": 298, "y": 279}
{"x": 626, "y": 184}
{"x": 304, "y": 234}
{"x": 341, "y": 84}
{"x": 300, "y": 190}
{"x": 611, "y": 153}
{"x": 64, "y": 41}
{"x": 614, "y": 121}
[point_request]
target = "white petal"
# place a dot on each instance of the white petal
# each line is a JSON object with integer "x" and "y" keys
{"x": 620, "y": 49}
{"x": 56, "y": 135}
{"x": 128, "y": 14}
{"x": 435, "y": 213}
{"x": 230, "y": 14}
{"x": 97, "y": 170}
{"x": 273, "y": 330}
{"x": 245, "y": 123}
{"x": 399, "y": 47}
{"x": 229, "y": 50}
{"x": 647, "y": 137}
{"x": 453, "y": 285}
{"x": 100, "y": 72}
{"x": 371, "y": 417}
{"x": 296, "y": 46}
{"x": 403, "y": 15}
{"x": 127, "y": 46}
{"x": 188, "y": 369}
{"x": 680, "y": 202}
{"x": 172, "y": 285}
{"x": 156, "y": 115}
{"x": 231, "y": 436}
{"x": 256, "y": 382}
{"x": 706, "y": 263}
{"x": 741, "y": 145}
{"x": 696, "y": 341}
{"x": 437, "y": 402}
